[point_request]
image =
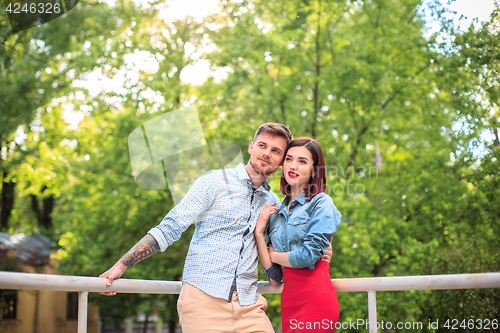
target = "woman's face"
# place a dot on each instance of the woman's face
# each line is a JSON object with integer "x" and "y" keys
{"x": 298, "y": 166}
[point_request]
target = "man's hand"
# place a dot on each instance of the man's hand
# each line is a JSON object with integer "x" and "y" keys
{"x": 328, "y": 252}
{"x": 111, "y": 274}
{"x": 146, "y": 247}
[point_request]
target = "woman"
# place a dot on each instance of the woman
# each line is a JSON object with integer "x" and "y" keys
{"x": 299, "y": 231}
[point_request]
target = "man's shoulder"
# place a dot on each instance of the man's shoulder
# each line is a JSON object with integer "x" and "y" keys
{"x": 217, "y": 177}
{"x": 216, "y": 174}
{"x": 272, "y": 198}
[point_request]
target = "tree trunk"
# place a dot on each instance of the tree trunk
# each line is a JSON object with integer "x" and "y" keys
{"x": 43, "y": 216}
{"x": 48, "y": 207}
{"x": 172, "y": 324}
{"x": 496, "y": 141}
{"x": 146, "y": 321}
{"x": 6, "y": 201}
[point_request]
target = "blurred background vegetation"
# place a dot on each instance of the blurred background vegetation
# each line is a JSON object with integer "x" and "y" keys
{"x": 407, "y": 117}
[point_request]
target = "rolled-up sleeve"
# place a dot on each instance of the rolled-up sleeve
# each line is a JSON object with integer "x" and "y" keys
{"x": 197, "y": 200}
{"x": 324, "y": 220}
{"x": 274, "y": 272}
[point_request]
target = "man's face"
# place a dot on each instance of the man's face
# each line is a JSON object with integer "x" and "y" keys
{"x": 266, "y": 153}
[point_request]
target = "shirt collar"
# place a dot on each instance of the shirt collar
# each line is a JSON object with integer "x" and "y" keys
{"x": 301, "y": 199}
{"x": 244, "y": 176}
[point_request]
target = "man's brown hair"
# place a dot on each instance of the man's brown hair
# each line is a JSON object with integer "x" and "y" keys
{"x": 274, "y": 129}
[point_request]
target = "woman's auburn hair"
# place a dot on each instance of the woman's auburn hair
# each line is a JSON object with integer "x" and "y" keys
{"x": 317, "y": 184}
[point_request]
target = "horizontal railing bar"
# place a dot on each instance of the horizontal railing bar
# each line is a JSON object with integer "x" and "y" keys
{"x": 419, "y": 282}
{"x": 30, "y": 281}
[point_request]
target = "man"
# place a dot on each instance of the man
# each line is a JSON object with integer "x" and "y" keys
{"x": 219, "y": 289}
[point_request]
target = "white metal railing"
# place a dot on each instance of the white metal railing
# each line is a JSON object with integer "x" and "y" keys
{"x": 84, "y": 285}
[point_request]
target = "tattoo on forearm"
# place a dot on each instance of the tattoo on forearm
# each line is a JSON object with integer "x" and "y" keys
{"x": 146, "y": 247}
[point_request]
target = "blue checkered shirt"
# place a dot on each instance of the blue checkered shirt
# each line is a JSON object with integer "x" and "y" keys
{"x": 223, "y": 253}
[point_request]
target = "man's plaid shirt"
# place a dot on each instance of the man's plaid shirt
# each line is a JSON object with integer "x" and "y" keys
{"x": 223, "y": 253}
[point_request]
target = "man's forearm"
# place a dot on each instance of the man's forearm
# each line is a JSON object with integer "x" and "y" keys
{"x": 146, "y": 247}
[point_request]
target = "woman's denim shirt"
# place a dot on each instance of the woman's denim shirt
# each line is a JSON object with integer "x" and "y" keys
{"x": 306, "y": 231}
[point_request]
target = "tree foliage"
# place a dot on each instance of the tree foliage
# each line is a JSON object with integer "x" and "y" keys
{"x": 403, "y": 119}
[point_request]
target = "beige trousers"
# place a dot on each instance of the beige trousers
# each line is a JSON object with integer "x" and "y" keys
{"x": 201, "y": 313}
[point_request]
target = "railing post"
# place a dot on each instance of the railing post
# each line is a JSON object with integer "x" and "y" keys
{"x": 82, "y": 311}
{"x": 129, "y": 325}
{"x": 158, "y": 326}
{"x": 372, "y": 311}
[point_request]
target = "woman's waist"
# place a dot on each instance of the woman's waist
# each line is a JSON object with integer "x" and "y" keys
{"x": 321, "y": 270}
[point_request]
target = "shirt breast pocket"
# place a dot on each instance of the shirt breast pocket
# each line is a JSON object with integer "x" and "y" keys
{"x": 297, "y": 228}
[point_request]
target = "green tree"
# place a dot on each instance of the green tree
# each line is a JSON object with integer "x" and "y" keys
{"x": 102, "y": 213}
{"x": 471, "y": 64}
{"x": 38, "y": 66}
{"x": 384, "y": 101}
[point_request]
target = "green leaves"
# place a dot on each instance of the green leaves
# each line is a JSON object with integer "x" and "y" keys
{"x": 400, "y": 119}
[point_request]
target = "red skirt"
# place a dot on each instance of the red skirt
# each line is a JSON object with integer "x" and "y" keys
{"x": 309, "y": 302}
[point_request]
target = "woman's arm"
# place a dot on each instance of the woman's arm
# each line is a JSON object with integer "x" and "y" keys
{"x": 324, "y": 219}
{"x": 265, "y": 260}
{"x": 260, "y": 227}
{"x": 280, "y": 258}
